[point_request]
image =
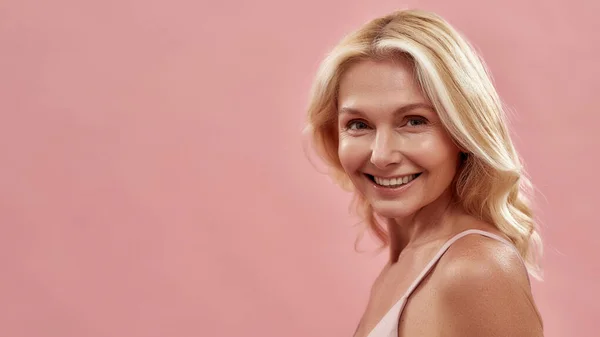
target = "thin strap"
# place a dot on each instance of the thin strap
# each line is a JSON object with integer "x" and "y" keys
{"x": 443, "y": 250}
{"x": 392, "y": 317}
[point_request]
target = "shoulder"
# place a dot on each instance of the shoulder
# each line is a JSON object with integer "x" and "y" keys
{"x": 483, "y": 290}
{"x": 476, "y": 258}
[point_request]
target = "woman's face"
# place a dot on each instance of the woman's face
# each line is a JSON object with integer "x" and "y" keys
{"x": 392, "y": 143}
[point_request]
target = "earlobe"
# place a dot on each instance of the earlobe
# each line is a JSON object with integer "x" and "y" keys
{"x": 463, "y": 157}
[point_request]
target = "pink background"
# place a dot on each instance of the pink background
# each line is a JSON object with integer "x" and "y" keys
{"x": 153, "y": 181}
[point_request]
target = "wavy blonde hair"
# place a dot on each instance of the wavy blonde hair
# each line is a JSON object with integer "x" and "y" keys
{"x": 491, "y": 184}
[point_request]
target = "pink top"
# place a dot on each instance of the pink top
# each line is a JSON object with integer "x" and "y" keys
{"x": 388, "y": 325}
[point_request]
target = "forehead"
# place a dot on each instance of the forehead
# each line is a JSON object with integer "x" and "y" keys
{"x": 379, "y": 83}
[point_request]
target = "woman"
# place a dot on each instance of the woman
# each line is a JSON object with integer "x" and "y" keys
{"x": 405, "y": 115}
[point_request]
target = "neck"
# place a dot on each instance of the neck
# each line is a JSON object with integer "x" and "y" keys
{"x": 430, "y": 223}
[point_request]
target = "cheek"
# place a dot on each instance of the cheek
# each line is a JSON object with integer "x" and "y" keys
{"x": 435, "y": 151}
{"x": 352, "y": 154}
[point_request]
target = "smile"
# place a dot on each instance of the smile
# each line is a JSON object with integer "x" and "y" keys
{"x": 393, "y": 182}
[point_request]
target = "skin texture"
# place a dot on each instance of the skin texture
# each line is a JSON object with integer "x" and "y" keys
{"x": 387, "y": 128}
{"x": 484, "y": 291}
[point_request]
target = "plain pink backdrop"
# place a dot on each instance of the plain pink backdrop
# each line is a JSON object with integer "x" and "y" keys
{"x": 153, "y": 181}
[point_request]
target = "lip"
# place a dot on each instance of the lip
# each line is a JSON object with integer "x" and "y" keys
{"x": 392, "y": 191}
{"x": 396, "y": 176}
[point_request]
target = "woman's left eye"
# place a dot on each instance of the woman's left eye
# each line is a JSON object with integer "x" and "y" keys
{"x": 416, "y": 121}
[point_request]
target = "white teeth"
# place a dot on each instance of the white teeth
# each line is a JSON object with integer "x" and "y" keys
{"x": 394, "y": 182}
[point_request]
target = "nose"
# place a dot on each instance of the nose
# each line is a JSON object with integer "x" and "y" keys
{"x": 385, "y": 149}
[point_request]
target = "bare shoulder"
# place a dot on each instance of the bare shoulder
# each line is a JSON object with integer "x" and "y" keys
{"x": 483, "y": 290}
{"x": 475, "y": 258}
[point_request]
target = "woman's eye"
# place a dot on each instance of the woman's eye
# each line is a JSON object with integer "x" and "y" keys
{"x": 416, "y": 122}
{"x": 356, "y": 125}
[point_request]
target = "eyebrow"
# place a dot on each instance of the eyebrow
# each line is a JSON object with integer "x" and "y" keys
{"x": 399, "y": 111}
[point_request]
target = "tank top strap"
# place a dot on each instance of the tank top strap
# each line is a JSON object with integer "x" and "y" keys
{"x": 443, "y": 250}
{"x": 388, "y": 325}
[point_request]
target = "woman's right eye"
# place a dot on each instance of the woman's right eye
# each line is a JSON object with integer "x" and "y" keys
{"x": 356, "y": 125}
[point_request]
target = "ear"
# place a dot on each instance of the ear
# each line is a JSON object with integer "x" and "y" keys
{"x": 460, "y": 147}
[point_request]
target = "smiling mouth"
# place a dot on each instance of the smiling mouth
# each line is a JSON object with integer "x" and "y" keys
{"x": 394, "y": 182}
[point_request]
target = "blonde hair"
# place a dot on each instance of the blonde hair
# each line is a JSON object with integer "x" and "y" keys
{"x": 491, "y": 185}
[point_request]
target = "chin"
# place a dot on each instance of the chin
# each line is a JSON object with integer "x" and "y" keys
{"x": 392, "y": 209}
